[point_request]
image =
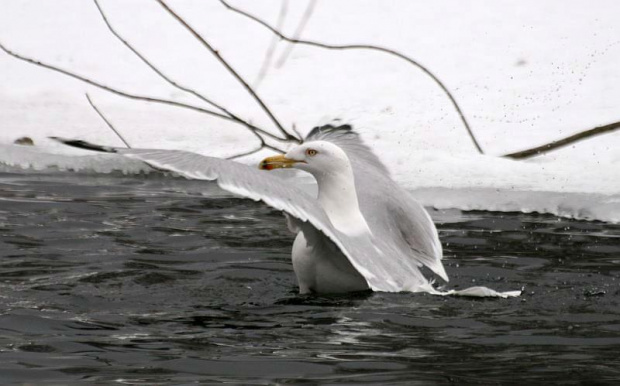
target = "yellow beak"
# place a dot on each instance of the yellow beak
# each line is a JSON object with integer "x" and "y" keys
{"x": 276, "y": 162}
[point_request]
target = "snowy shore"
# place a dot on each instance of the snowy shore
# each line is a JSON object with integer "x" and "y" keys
{"x": 524, "y": 73}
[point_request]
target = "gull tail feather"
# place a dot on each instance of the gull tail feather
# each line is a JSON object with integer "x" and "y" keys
{"x": 84, "y": 145}
{"x": 474, "y": 292}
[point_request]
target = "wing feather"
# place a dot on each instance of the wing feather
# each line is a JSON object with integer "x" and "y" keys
{"x": 391, "y": 212}
{"x": 388, "y": 263}
{"x": 365, "y": 254}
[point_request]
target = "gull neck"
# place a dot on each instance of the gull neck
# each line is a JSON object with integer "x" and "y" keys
{"x": 338, "y": 197}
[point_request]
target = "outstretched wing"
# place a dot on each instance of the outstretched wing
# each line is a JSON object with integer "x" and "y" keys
{"x": 381, "y": 259}
{"x": 365, "y": 254}
{"x": 403, "y": 232}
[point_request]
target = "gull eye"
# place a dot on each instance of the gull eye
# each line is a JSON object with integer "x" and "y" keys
{"x": 311, "y": 152}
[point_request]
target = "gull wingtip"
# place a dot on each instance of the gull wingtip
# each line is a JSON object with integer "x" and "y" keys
{"x": 77, "y": 143}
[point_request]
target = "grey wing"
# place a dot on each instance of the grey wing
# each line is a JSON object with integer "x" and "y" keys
{"x": 404, "y": 231}
{"x": 404, "y": 227}
{"x": 393, "y": 215}
{"x": 417, "y": 233}
{"x": 385, "y": 264}
{"x": 238, "y": 179}
{"x": 362, "y": 252}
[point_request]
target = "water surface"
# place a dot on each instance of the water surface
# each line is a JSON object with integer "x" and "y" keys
{"x": 142, "y": 280}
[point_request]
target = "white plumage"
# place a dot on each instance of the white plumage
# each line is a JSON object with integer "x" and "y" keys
{"x": 362, "y": 231}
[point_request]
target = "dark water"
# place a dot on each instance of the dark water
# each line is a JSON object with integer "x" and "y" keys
{"x": 141, "y": 280}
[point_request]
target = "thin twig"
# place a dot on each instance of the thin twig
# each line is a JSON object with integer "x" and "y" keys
{"x": 264, "y": 146}
{"x": 129, "y": 95}
{"x": 523, "y": 154}
{"x": 300, "y": 29}
{"x": 249, "y": 89}
{"x": 246, "y": 153}
{"x": 164, "y": 76}
{"x": 365, "y": 47}
{"x": 264, "y": 68}
{"x": 107, "y": 122}
{"x": 150, "y": 65}
{"x": 294, "y": 127}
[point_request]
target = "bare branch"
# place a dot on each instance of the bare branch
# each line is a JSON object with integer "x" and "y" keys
{"x": 107, "y": 122}
{"x": 246, "y": 153}
{"x": 179, "y": 19}
{"x": 149, "y": 64}
{"x": 300, "y": 28}
{"x": 563, "y": 142}
{"x": 164, "y": 76}
{"x": 266, "y": 146}
{"x": 297, "y": 133}
{"x": 365, "y": 47}
{"x": 262, "y": 73}
{"x": 130, "y": 95}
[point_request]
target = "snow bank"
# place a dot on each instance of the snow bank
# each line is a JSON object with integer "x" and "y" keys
{"x": 546, "y": 72}
{"x": 581, "y": 206}
{"x": 32, "y": 158}
{"x": 438, "y": 182}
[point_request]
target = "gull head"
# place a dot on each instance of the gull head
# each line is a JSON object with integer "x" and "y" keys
{"x": 317, "y": 158}
{"x": 331, "y": 168}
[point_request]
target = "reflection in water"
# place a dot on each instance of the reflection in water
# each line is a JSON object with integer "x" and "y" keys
{"x": 143, "y": 280}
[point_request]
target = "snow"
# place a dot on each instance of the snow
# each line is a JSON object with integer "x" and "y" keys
{"x": 524, "y": 72}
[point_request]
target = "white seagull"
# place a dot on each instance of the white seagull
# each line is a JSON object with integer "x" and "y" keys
{"x": 361, "y": 232}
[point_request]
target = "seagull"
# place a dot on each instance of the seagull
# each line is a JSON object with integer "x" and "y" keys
{"x": 361, "y": 232}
